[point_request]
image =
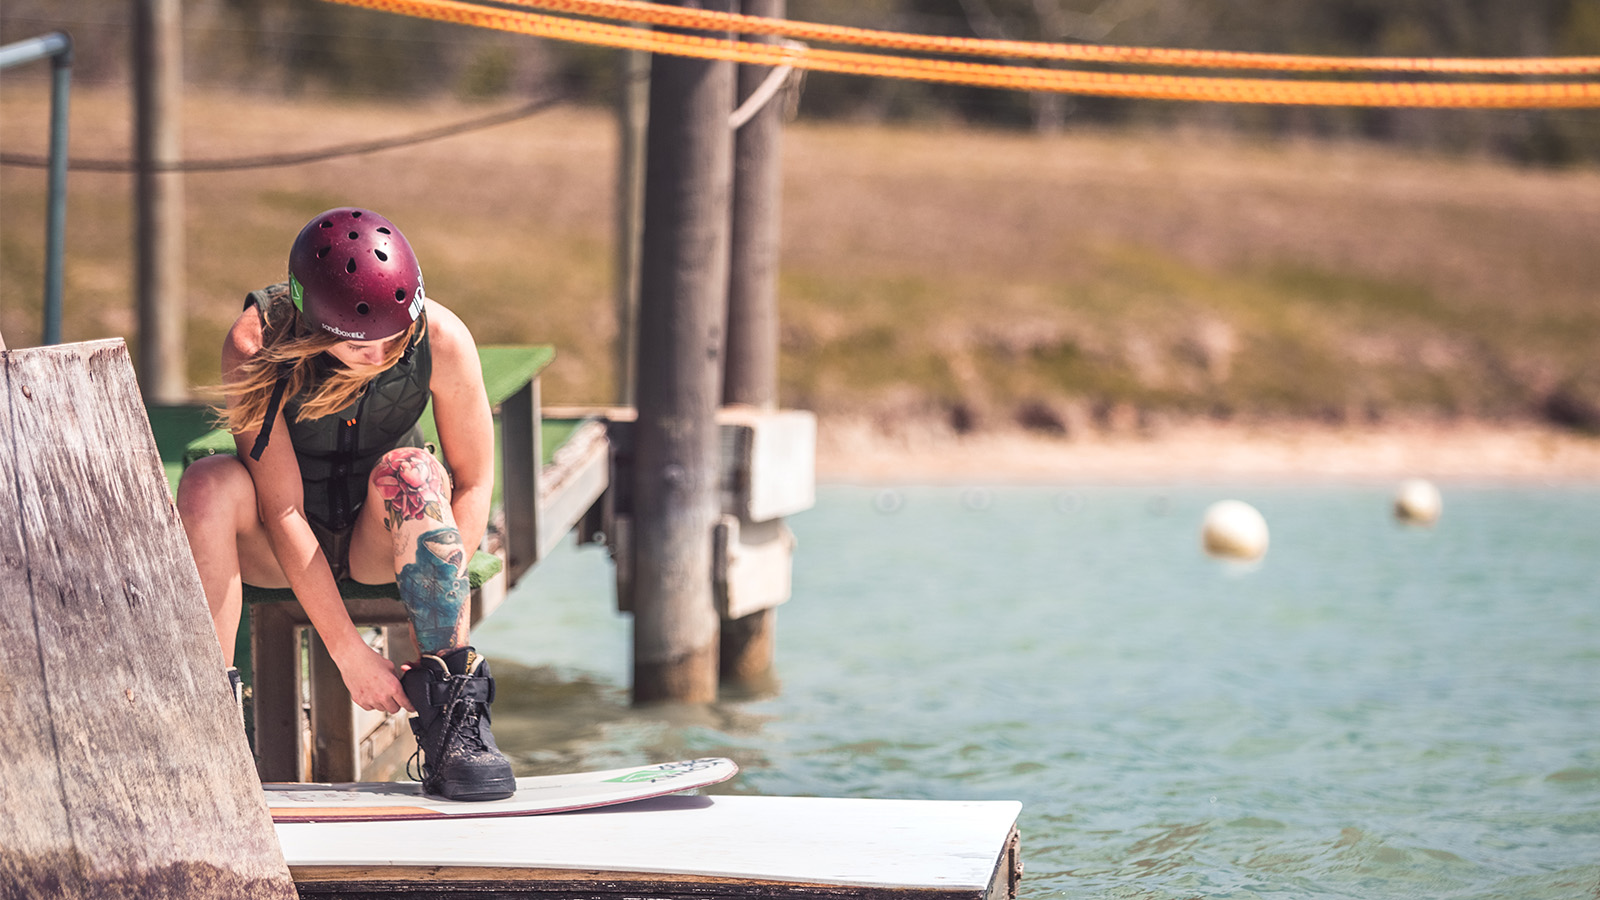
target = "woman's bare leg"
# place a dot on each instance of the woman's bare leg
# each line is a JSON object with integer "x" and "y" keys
{"x": 409, "y": 497}
{"x": 450, "y": 684}
{"x": 217, "y": 504}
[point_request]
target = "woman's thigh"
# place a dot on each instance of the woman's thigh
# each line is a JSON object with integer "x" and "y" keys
{"x": 220, "y": 492}
{"x": 371, "y": 545}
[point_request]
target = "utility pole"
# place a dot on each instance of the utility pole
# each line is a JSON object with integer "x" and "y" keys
{"x": 751, "y": 377}
{"x": 682, "y": 317}
{"x": 158, "y": 199}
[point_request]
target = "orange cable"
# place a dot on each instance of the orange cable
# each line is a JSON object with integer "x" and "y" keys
{"x": 710, "y": 20}
{"x": 1105, "y": 84}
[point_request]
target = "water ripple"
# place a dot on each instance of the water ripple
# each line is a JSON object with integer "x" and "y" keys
{"x": 1372, "y": 713}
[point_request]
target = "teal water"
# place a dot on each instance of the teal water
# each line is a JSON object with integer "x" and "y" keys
{"x": 1372, "y": 712}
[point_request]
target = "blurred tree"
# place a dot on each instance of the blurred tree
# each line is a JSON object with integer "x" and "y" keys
{"x": 315, "y": 45}
{"x": 1060, "y": 21}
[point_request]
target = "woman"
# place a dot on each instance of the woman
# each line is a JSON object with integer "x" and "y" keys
{"x": 324, "y": 379}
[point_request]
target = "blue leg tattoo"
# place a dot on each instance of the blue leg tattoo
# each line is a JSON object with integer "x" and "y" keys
{"x": 434, "y": 589}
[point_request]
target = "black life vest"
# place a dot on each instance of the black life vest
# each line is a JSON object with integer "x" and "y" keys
{"x": 337, "y": 451}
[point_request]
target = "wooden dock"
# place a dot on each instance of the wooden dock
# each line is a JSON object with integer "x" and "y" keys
{"x": 671, "y": 847}
{"x": 125, "y": 773}
{"x": 549, "y": 473}
{"x": 123, "y": 769}
{"x": 558, "y": 470}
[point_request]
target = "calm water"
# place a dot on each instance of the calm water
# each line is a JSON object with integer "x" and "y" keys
{"x": 1372, "y": 712}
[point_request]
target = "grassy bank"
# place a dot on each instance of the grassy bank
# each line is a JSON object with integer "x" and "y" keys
{"x": 975, "y": 280}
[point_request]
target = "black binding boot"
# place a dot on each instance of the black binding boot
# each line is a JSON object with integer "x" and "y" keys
{"x": 236, "y": 686}
{"x": 452, "y": 694}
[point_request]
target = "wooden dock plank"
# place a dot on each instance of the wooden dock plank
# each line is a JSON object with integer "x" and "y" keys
{"x": 570, "y": 484}
{"x": 123, "y": 765}
{"x": 701, "y": 846}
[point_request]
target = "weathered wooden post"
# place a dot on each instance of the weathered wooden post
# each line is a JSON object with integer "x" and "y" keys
{"x": 124, "y": 770}
{"x": 158, "y": 198}
{"x": 751, "y": 372}
{"x": 633, "y": 114}
{"x": 682, "y": 313}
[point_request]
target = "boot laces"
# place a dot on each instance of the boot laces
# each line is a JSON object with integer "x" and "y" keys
{"x": 416, "y": 769}
{"x": 461, "y": 724}
{"x": 461, "y": 721}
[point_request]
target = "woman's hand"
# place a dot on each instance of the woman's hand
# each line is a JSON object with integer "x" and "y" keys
{"x": 372, "y": 680}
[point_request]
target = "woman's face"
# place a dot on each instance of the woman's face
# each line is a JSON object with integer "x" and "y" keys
{"x": 360, "y": 353}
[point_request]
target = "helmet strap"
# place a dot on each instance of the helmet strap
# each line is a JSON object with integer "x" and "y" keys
{"x": 416, "y": 339}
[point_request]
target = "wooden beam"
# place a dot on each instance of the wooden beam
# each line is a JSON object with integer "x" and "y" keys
{"x": 752, "y": 566}
{"x": 123, "y": 767}
{"x": 521, "y": 457}
{"x": 751, "y": 374}
{"x": 766, "y": 471}
{"x": 571, "y": 483}
{"x": 682, "y": 313}
{"x": 275, "y": 634}
{"x": 751, "y": 368}
{"x": 769, "y": 462}
{"x": 159, "y": 286}
{"x": 275, "y": 687}
{"x": 504, "y": 884}
{"x": 678, "y": 847}
{"x": 335, "y": 744}
{"x": 633, "y": 115}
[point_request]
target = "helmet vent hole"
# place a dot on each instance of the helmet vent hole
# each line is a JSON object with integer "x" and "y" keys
{"x": 353, "y": 235}
{"x": 326, "y": 223}
{"x": 323, "y": 252}
{"x": 355, "y": 213}
{"x": 382, "y": 230}
{"x": 350, "y": 266}
{"x": 399, "y": 295}
{"x": 382, "y": 256}
{"x": 362, "y": 309}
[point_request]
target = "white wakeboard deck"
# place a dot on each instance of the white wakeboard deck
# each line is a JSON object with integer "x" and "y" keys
{"x": 374, "y": 801}
{"x": 912, "y": 844}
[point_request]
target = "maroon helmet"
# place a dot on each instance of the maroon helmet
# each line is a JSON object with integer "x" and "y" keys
{"x": 352, "y": 274}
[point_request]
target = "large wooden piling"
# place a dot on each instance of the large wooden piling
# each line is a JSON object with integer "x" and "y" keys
{"x": 158, "y": 198}
{"x": 682, "y": 313}
{"x": 752, "y": 359}
{"x": 751, "y": 371}
{"x": 124, "y": 770}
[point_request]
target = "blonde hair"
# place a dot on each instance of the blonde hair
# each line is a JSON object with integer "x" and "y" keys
{"x": 289, "y": 350}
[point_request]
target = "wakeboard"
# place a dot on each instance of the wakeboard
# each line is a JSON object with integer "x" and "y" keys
{"x": 376, "y": 801}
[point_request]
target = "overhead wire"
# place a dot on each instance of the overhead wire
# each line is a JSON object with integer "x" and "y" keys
{"x": 1545, "y": 95}
{"x": 267, "y": 161}
{"x": 789, "y": 54}
{"x": 712, "y": 20}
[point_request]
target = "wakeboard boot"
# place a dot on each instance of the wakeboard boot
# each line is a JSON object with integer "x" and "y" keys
{"x": 236, "y": 687}
{"x": 452, "y": 692}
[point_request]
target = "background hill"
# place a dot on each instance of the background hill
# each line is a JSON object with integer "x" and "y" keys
{"x": 955, "y": 259}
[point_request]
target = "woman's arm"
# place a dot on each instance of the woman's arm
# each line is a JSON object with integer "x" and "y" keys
{"x": 280, "y": 504}
{"x": 466, "y": 426}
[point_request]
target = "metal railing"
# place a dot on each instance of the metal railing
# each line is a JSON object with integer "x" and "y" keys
{"x": 57, "y": 47}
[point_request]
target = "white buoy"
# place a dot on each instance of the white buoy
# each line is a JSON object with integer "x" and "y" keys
{"x": 1417, "y": 502}
{"x": 1234, "y": 530}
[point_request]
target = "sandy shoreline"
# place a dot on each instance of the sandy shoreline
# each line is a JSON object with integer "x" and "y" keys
{"x": 857, "y": 453}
